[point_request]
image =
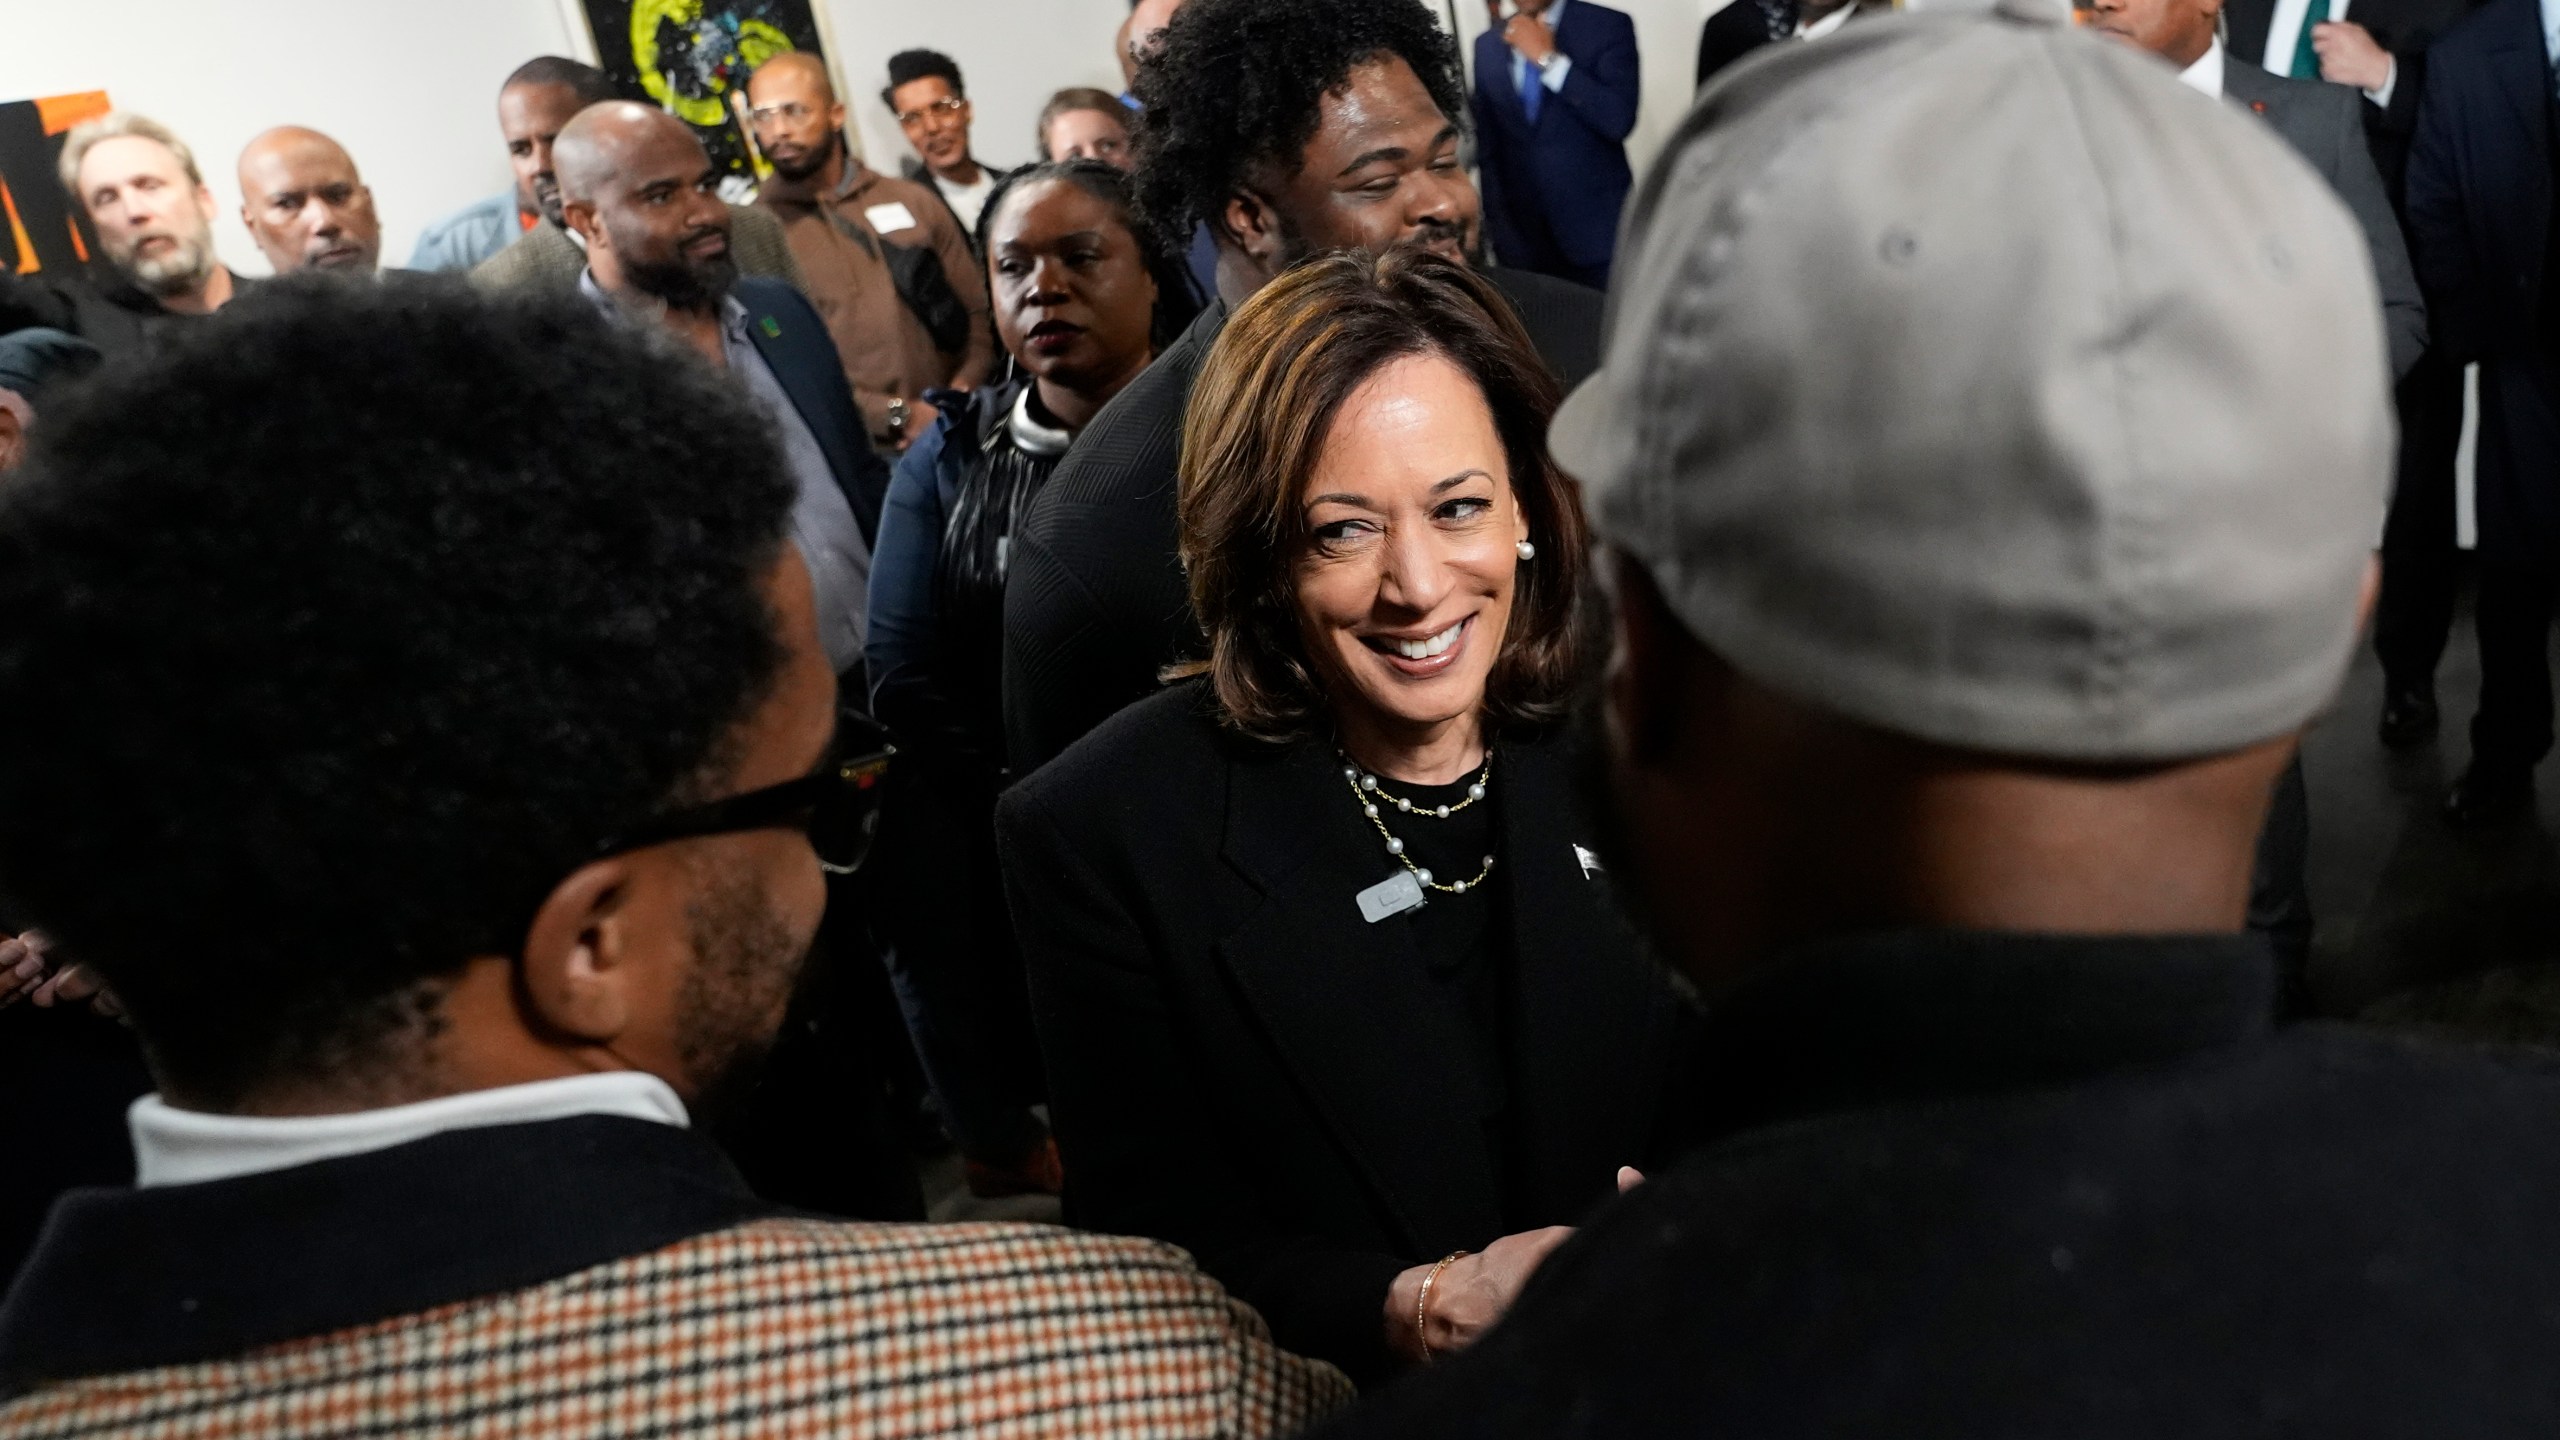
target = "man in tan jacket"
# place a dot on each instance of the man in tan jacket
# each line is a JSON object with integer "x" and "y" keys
{"x": 847, "y": 225}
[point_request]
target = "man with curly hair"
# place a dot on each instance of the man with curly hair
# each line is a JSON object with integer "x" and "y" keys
{"x": 1288, "y": 127}
{"x": 453, "y": 824}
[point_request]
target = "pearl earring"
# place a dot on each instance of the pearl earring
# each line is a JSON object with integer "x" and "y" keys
{"x": 1527, "y": 550}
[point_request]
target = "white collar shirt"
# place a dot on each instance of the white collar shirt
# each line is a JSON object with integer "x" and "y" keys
{"x": 1552, "y": 76}
{"x": 185, "y": 1147}
{"x": 1826, "y": 24}
{"x": 2206, "y": 73}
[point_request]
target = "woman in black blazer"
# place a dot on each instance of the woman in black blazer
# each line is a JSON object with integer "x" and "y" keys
{"x": 1370, "y": 1117}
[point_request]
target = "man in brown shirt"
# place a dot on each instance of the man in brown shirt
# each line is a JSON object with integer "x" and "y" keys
{"x": 839, "y": 215}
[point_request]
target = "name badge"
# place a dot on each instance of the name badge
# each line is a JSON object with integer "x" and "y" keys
{"x": 1391, "y": 896}
{"x": 892, "y": 216}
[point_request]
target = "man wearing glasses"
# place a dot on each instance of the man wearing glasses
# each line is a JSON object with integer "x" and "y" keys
{"x": 932, "y": 107}
{"x": 453, "y": 826}
{"x": 884, "y": 261}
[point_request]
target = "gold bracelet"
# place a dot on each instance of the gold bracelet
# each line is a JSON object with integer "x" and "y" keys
{"x": 1422, "y": 1302}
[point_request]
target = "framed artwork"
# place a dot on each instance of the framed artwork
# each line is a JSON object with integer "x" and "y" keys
{"x": 692, "y": 58}
{"x": 40, "y": 229}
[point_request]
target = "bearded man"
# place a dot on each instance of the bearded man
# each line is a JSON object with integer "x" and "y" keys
{"x": 139, "y": 185}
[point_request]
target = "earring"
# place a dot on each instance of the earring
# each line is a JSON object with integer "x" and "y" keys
{"x": 1527, "y": 550}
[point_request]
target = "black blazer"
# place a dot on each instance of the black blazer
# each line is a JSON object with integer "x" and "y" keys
{"x": 1735, "y": 30}
{"x": 1095, "y": 601}
{"x": 2406, "y": 28}
{"x": 2480, "y": 186}
{"x": 1242, "y": 1065}
{"x": 793, "y": 340}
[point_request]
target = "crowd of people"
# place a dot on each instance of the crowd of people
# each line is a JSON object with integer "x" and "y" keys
{"x": 1549, "y": 802}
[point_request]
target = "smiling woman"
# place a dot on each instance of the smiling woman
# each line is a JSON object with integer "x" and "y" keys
{"x": 1330, "y": 991}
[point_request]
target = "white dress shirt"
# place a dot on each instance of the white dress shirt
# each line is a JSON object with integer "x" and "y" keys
{"x": 2551, "y": 31}
{"x": 2284, "y": 37}
{"x": 1553, "y": 73}
{"x": 182, "y": 1147}
{"x": 1826, "y": 24}
{"x": 2206, "y": 73}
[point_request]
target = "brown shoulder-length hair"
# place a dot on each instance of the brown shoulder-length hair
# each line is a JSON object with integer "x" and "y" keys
{"x": 1259, "y": 414}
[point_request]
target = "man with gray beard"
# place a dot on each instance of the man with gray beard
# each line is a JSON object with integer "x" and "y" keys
{"x": 139, "y": 185}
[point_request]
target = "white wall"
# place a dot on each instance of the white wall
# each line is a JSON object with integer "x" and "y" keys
{"x": 1015, "y": 54}
{"x": 411, "y": 90}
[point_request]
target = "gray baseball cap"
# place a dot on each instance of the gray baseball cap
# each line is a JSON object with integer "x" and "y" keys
{"x": 1971, "y": 377}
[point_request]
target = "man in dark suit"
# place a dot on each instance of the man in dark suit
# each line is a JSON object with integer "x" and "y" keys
{"x": 2377, "y": 50}
{"x": 2320, "y": 123}
{"x": 1291, "y": 127}
{"x": 1555, "y": 97}
{"x": 637, "y": 186}
{"x": 1958, "y": 853}
{"x": 2480, "y": 224}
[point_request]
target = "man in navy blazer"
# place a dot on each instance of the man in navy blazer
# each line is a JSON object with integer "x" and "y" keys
{"x": 2480, "y": 231}
{"x": 637, "y": 186}
{"x": 1556, "y": 92}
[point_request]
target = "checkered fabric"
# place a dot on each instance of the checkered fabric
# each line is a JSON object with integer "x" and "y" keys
{"x": 772, "y": 1328}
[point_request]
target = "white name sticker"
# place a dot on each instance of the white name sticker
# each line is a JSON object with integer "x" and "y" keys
{"x": 892, "y": 216}
{"x": 1391, "y": 896}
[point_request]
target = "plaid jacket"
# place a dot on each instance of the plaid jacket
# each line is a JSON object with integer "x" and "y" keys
{"x": 774, "y": 1326}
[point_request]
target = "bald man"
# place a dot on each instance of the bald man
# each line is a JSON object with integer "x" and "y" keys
{"x": 637, "y": 188}
{"x": 903, "y": 323}
{"x": 305, "y": 204}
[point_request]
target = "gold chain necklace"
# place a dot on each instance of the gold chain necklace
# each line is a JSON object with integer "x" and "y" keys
{"x": 1364, "y": 788}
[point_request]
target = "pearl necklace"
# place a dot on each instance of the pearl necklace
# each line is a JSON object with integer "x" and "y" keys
{"x": 1364, "y": 788}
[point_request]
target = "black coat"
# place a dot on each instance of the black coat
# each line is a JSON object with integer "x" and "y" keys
{"x": 1241, "y": 1064}
{"x": 789, "y": 334}
{"x": 99, "y": 305}
{"x": 1735, "y": 30}
{"x": 2406, "y": 28}
{"x": 1095, "y": 600}
{"x": 2479, "y": 186}
{"x": 1990, "y": 1187}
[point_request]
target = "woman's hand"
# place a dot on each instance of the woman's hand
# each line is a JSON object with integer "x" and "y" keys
{"x": 1472, "y": 1293}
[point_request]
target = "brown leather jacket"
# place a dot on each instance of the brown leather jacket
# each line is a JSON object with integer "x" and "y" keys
{"x": 835, "y": 238}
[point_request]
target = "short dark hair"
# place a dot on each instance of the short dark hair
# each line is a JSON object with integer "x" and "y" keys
{"x": 1170, "y": 269}
{"x": 910, "y": 65}
{"x": 345, "y": 663}
{"x": 1233, "y": 87}
{"x": 1256, "y": 425}
{"x": 591, "y": 85}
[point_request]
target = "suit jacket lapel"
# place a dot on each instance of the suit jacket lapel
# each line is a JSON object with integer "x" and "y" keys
{"x": 1591, "y": 1014}
{"x": 774, "y": 339}
{"x": 2250, "y": 20}
{"x": 1346, "y": 1003}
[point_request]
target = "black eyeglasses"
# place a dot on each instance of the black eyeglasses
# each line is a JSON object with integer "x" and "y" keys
{"x": 837, "y": 805}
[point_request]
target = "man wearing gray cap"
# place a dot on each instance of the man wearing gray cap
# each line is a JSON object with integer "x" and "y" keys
{"x": 1987, "y": 451}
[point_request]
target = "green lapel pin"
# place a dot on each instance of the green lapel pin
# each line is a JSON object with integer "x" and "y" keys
{"x": 772, "y": 328}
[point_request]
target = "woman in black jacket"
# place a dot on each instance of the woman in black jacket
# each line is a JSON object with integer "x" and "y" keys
{"x": 1331, "y": 991}
{"x": 1082, "y": 303}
